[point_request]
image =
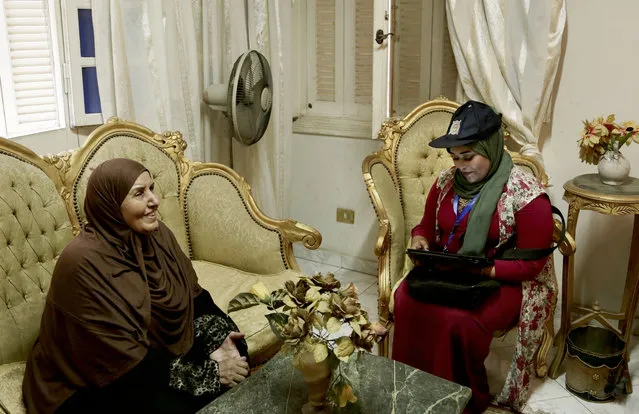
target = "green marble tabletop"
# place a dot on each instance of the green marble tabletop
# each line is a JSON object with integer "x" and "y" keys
{"x": 380, "y": 384}
{"x": 592, "y": 182}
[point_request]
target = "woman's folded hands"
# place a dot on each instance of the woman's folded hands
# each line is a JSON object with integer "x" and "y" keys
{"x": 233, "y": 367}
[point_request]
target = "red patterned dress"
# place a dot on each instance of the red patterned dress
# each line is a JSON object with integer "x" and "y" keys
{"x": 453, "y": 343}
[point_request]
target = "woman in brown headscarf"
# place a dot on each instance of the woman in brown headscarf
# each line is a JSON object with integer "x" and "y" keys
{"x": 126, "y": 327}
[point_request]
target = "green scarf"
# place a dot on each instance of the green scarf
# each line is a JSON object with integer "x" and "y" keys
{"x": 489, "y": 189}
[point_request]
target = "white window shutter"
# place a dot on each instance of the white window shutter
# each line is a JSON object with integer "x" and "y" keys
{"x": 325, "y": 70}
{"x": 30, "y": 78}
{"x": 444, "y": 51}
{"x": 424, "y": 61}
{"x": 364, "y": 35}
{"x": 408, "y": 57}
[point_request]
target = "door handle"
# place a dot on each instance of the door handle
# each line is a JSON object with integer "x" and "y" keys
{"x": 380, "y": 36}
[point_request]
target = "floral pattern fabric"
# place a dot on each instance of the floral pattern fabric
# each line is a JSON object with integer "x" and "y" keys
{"x": 195, "y": 372}
{"x": 539, "y": 295}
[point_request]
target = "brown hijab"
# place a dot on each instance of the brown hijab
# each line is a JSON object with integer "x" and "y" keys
{"x": 114, "y": 293}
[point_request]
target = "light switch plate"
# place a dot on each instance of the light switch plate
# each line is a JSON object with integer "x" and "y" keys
{"x": 345, "y": 215}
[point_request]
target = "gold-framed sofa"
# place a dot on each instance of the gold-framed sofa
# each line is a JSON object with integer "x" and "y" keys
{"x": 208, "y": 206}
{"x": 398, "y": 178}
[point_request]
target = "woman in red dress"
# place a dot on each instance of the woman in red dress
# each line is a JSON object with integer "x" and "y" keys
{"x": 474, "y": 208}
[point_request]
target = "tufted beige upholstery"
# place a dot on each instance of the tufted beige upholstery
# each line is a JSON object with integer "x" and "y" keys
{"x": 417, "y": 165}
{"x": 34, "y": 228}
{"x": 398, "y": 178}
{"x": 208, "y": 206}
{"x": 212, "y": 199}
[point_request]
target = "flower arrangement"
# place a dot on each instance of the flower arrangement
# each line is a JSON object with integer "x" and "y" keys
{"x": 315, "y": 315}
{"x": 601, "y": 135}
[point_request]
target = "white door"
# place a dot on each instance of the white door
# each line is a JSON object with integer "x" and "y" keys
{"x": 381, "y": 57}
{"x": 423, "y": 65}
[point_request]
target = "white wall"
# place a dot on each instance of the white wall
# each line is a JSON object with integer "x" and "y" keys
{"x": 327, "y": 174}
{"x": 54, "y": 142}
{"x": 599, "y": 77}
{"x": 594, "y": 81}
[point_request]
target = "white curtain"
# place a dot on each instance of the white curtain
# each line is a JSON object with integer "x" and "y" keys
{"x": 264, "y": 25}
{"x": 155, "y": 58}
{"x": 507, "y": 53}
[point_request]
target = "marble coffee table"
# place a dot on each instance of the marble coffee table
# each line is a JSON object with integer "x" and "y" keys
{"x": 381, "y": 385}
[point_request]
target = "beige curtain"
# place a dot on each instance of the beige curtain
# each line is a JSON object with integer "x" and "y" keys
{"x": 264, "y": 25}
{"x": 154, "y": 58}
{"x": 507, "y": 53}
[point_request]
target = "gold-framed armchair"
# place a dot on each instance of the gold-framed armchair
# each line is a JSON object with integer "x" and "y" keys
{"x": 398, "y": 178}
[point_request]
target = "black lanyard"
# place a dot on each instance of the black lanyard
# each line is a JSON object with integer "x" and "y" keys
{"x": 459, "y": 217}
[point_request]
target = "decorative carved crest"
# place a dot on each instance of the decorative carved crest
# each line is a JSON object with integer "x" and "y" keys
{"x": 173, "y": 141}
{"x": 577, "y": 203}
{"x": 61, "y": 161}
{"x": 389, "y": 133}
{"x": 65, "y": 193}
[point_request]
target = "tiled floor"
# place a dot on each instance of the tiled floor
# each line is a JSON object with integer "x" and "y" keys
{"x": 547, "y": 396}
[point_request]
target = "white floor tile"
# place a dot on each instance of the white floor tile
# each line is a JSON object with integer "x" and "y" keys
{"x": 309, "y": 268}
{"x": 561, "y": 379}
{"x": 563, "y": 405}
{"x": 361, "y": 265}
{"x": 361, "y": 280}
{"x": 546, "y": 389}
{"x": 369, "y": 304}
{"x": 372, "y": 289}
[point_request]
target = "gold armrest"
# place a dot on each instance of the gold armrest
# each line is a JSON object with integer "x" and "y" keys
{"x": 294, "y": 232}
{"x": 567, "y": 246}
{"x": 383, "y": 238}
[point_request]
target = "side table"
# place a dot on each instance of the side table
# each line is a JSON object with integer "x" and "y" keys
{"x": 587, "y": 192}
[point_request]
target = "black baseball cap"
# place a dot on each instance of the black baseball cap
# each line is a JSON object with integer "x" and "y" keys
{"x": 473, "y": 121}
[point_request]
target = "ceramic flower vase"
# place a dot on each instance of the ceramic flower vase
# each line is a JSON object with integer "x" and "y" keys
{"x": 613, "y": 167}
{"x": 317, "y": 377}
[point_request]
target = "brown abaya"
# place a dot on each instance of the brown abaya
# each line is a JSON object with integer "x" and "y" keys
{"x": 114, "y": 295}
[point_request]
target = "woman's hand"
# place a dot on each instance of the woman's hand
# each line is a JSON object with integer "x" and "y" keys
{"x": 229, "y": 344}
{"x": 233, "y": 367}
{"x": 419, "y": 243}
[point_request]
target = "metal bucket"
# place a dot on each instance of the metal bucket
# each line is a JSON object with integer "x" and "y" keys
{"x": 594, "y": 367}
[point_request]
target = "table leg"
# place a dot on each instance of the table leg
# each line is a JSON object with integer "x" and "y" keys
{"x": 567, "y": 278}
{"x": 629, "y": 302}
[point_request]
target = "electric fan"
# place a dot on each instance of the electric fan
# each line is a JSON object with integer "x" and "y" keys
{"x": 247, "y": 98}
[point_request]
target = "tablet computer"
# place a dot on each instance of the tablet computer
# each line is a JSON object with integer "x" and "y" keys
{"x": 449, "y": 260}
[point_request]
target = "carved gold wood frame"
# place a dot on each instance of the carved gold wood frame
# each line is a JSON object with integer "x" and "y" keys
{"x": 382, "y": 244}
{"x": 68, "y": 167}
{"x": 390, "y": 134}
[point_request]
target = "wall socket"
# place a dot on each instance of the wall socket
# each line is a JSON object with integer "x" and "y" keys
{"x": 345, "y": 215}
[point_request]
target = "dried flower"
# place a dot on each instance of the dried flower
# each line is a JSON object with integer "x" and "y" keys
{"x": 346, "y": 396}
{"x": 315, "y": 309}
{"x": 297, "y": 291}
{"x": 260, "y": 290}
{"x": 327, "y": 282}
